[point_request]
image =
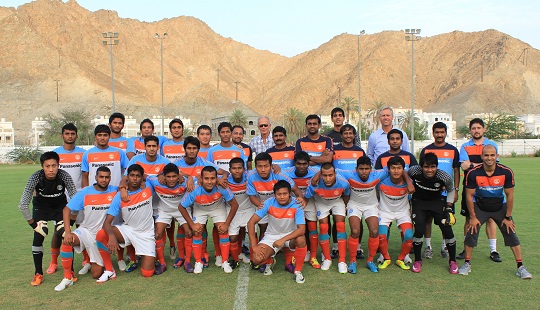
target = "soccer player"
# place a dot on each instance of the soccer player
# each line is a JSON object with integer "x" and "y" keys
{"x": 204, "y": 134}
{"x": 220, "y": 154}
{"x": 490, "y": 194}
{"x": 70, "y": 154}
{"x": 394, "y": 206}
{"x": 116, "y": 123}
{"x": 286, "y": 229}
{"x": 150, "y": 160}
{"x": 331, "y": 194}
{"x": 318, "y": 147}
{"x": 94, "y": 202}
{"x": 470, "y": 156}
{"x": 378, "y": 142}
{"x": 137, "y": 228}
{"x": 173, "y": 149}
{"x": 338, "y": 118}
{"x": 428, "y": 200}
{"x": 208, "y": 201}
{"x": 136, "y": 144}
{"x": 282, "y": 154}
{"x": 238, "y": 133}
{"x": 395, "y": 141}
{"x": 102, "y": 154}
{"x": 46, "y": 188}
{"x": 448, "y": 157}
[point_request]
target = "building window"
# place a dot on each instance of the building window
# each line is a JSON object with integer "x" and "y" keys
{"x": 252, "y": 132}
{"x": 250, "y": 123}
{"x": 436, "y": 118}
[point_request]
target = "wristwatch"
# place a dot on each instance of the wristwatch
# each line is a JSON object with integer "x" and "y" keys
{"x": 509, "y": 218}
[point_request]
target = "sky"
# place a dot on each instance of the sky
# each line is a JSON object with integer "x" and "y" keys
{"x": 294, "y": 26}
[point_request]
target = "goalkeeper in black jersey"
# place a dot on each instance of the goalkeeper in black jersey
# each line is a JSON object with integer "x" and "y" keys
{"x": 427, "y": 200}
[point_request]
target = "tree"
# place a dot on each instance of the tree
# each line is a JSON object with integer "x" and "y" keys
{"x": 53, "y": 129}
{"x": 502, "y": 126}
{"x": 373, "y": 112}
{"x": 238, "y": 118}
{"x": 349, "y": 104}
{"x": 463, "y": 131}
{"x": 366, "y": 131}
{"x": 420, "y": 129}
{"x": 326, "y": 128}
{"x": 294, "y": 123}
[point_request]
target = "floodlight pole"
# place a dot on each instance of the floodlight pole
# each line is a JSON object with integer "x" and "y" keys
{"x": 413, "y": 35}
{"x": 359, "y": 106}
{"x": 161, "y": 37}
{"x": 112, "y": 39}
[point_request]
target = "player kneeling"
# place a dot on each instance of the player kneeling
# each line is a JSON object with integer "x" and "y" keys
{"x": 286, "y": 228}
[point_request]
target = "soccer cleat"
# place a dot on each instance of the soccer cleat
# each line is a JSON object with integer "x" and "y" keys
{"x": 268, "y": 268}
{"x": 52, "y": 268}
{"x": 334, "y": 253}
{"x": 106, "y": 276}
{"x": 179, "y": 262}
{"x": 402, "y": 265}
{"x": 380, "y": 260}
{"x": 159, "y": 269}
{"x": 352, "y": 268}
{"x": 244, "y": 258}
{"x": 226, "y": 267}
{"x": 131, "y": 266}
{"x": 453, "y": 267}
{"x": 262, "y": 268}
{"x": 326, "y": 264}
{"x": 407, "y": 259}
{"x": 38, "y": 279}
{"x": 444, "y": 253}
{"x": 234, "y": 264}
{"x": 315, "y": 263}
{"x": 360, "y": 254}
{"x": 372, "y": 267}
{"x": 172, "y": 252}
{"x": 461, "y": 255}
{"x": 342, "y": 267}
{"x": 65, "y": 283}
{"x": 86, "y": 267}
{"x": 188, "y": 267}
{"x": 465, "y": 269}
{"x": 205, "y": 260}
{"x": 495, "y": 257}
{"x": 428, "y": 253}
{"x": 253, "y": 266}
{"x": 219, "y": 261}
{"x": 289, "y": 268}
{"x": 198, "y": 267}
{"x": 308, "y": 257}
{"x": 122, "y": 265}
{"x": 523, "y": 273}
{"x": 417, "y": 266}
{"x": 298, "y": 277}
{"x": 385, "y": 264}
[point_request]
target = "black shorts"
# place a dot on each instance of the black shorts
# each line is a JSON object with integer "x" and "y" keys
{"x": 464, "y": 210}
{"x": 421, "y": 209}
{"x": 48, "y": 215}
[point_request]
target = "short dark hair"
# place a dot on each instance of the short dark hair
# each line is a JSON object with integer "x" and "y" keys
{"x": 364, "y": 160}
{"x": 176, "y": 120}
{"x": 279, "y": 129}
{"x": 151, "y": 138}
{"x": 238, "y": 126}
{"x": 209, "y": 169}
{"x": 396, "y": 161}
{"x": 476, "y": 121}
{"x": 263, "y": 157}
{"x": 301, "y": 155}
{"x": 102, "y": 129}
{"x": 282, "y": 184}
{"x": 224, "y": 125}
{"x": 135, "y": 167}
{"x": 393, "y": 131}
{"x": 146, "y": 120}
{"x": 429, "y": 159}
{"x": 204, "y": 127}
{"x": 49, "y": 155}
{"x": 69, "y": 126}
{"x": 170, "y": 167}
{"x": 192, "y": 140}
{"x": 117, "y": 115}
{"x": 337, "y": 109}
{"x": 439, "y": 125}
{"x": 347, "y": 127}
{"x": 313, "y": 116}
{"x": 236, "y": 160}
{"x": 327, "y": 166}
{"x": 103, "y": 169}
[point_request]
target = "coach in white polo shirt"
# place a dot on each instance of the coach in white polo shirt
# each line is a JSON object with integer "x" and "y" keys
{"x": 378, "y": 142}
{"x": 264, "y": 141}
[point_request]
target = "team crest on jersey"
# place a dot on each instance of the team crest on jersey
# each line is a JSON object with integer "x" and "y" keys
{"x": 336, "y": 192}
{"x": 59, "y": 187}
{"x": 156, "y": 169}
{"x": 216, "y": 196}
{"x": 354, "y": 155}
{"x": 77, "y": 157}
{"x": 446, "y": 153}
{"x": 496, "y": 181}
{"x": 144, "y": 195}
{"x": 198, "y": 171}
{"x": 437, "y": 185}
{"x": 319, "y": 147}
{"x": 289, "y": 213}
{"x": 286, "y": 155}
{"x": 234, "y": 154}
{"x": 111, "y": 156}
{"x": 402, "y": 191}
{"x": 121, "y": 144}
{"x": 109, "y": 198}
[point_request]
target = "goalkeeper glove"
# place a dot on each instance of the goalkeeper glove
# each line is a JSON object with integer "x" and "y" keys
{"x": 448, "y": 217}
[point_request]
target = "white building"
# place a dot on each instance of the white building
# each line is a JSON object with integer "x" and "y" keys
{"x": 429, "y": 118}
{"x": 531, "y": 123}
{"x": 38, "y": 130}
{"x": 7, "y": 134}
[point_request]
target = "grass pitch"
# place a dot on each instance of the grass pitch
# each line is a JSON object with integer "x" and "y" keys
{"x": 489, "y": 285}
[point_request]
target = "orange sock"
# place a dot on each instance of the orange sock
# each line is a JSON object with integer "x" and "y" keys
{"x": 373, "y": 245}
{"x": 299, "y": 255}
{"x": 54, "y": 255}
{"x": 102, "y": 239}
{"x": 324, "y": 240}
{"x": 66, "y": 254}
{"x": 147, "y": 273}
{"x": 224, "y": 246}
{"x": 406, "y": 236}
{"x": 341, "y": 241}
{"x": 188, "y": 243}
{"x": 180, "y": 241}
{"x": 160, "y": 251}
{"x": 353, "y": 245}
{"x": 383, "y": 246}
{"x": 215, "y": 238}
{"x": 235, "y": 251}
{"x": 288, "y": 255}
{"x": 86, "y": 257}
{"x": 120, "y": 254}
{"x": 313, "y": 238}
{"x": 197, "y": 248}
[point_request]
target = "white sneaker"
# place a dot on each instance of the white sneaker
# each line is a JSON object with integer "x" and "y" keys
{"x": 244, "y": 258}
{"x": 122, "y": 265}
{"x": 219, "y": 261}
{"x": 172, "y": 252}
{"x": 85, "y": 269}
{"x": 198, "y": 268}
{"x": 226, "y": 267}
{"x": 407, "y": 259}
{"x": 342, "y": 267}
{"x": 106, "y": 276}
{"x": 326, "y": 264}
{"x": 63, "y": 285}
{"x": 380, "y": 260}
{"x": 268, "y": 270}
{"x": 308, "y": 256}
{"x": 298, "y": 277}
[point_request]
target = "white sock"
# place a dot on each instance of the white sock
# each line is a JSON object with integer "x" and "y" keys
{"x": 334, "y": 247}
{"x": 492, "y": 245}
{"x": 427, "y": 241}
{"x": 359, "y": 247}
{"x": 443, "y": 245}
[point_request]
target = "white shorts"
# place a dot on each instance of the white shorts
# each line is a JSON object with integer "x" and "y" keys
{"x": 143, "y": 242}
{"x": 337, "y": 207}
{"x": 270, "y": 239}
{"x": 88, "y": 243}
{"x": 240, "y": 219}
{"x": 362, "y": 211}
{"x": 310, "y": 212}
{"x": 80, "y": 218}
{"x": 385, "y": 218}
{"x": 218, "y": 215}
{"x": 167, "y": 217}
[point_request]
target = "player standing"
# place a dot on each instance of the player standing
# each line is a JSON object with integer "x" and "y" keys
{"x": 318, "y": 147}
{"x": 220, "y": 154}
{"x": 173, "y": 149}
{"x": 136, "y": 144}
{"x": 116, "y": 123}
{"x": 238, "y": 133}
{"x": 204, "y": 134}
{"x": 282, "y": 154}
{"x": 395, "y": 141}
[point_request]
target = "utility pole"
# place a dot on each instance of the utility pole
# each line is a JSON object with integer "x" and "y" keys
{"x": 162, "y": 87}
{"x": 218, "y": 70}
{"x": 57, "y": 96}
{"x": 413, "y": 35}
{"x": 112, "y": 40}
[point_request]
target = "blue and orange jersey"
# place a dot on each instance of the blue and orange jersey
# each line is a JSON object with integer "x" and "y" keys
{"x": 282, "y": 157}
{"x": 136, "y": 144}
{"x": 111, "y": 157}
{"x": 248, "y": 152}
{"x": 314, "y": 147}
{"x": 137, "y": 212}
{"x": 95, "y": 205}
{"x": 363, "y": 192}
{"x": 71, "y": 162}
{"x": 393, "y": 197}
{"x": 120, "y": 142}
{"x": 264, "y": 189}
{"x": 447, "y": 154}
{"x": 282, "y": 219}
{"x": 473, "y": 152}
{"x": 195, "y": 169}
{"x": 382, "y": 160}
{"x": 301, "y": 181}
{"x": 221, "y": 156}
{"x": 345, "y": 158}
{"x": 207, "y": 200}
{"x": 490, "y": 186}
{"x": 203, "y": 152}
{"x": 151, "y": 168}
{"x": 239, "y": 189}
{"x": 172, "y": 150}
{"x": 169, "y": 197}
{"x": 340, "y": 188}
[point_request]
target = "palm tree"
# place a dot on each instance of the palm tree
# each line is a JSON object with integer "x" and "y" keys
{"x": 405, "y": 121}
{"x": 373, "y": 112}
{"x": 349, "y": 104}
{"x": 294, "y": 123}
{"x": 238, "y": 118}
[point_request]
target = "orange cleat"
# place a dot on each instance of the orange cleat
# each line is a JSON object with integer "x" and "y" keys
{"x": 315, "y": 263}
{"x": 38, "y": 279}
{"x": 52, "y": 268}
